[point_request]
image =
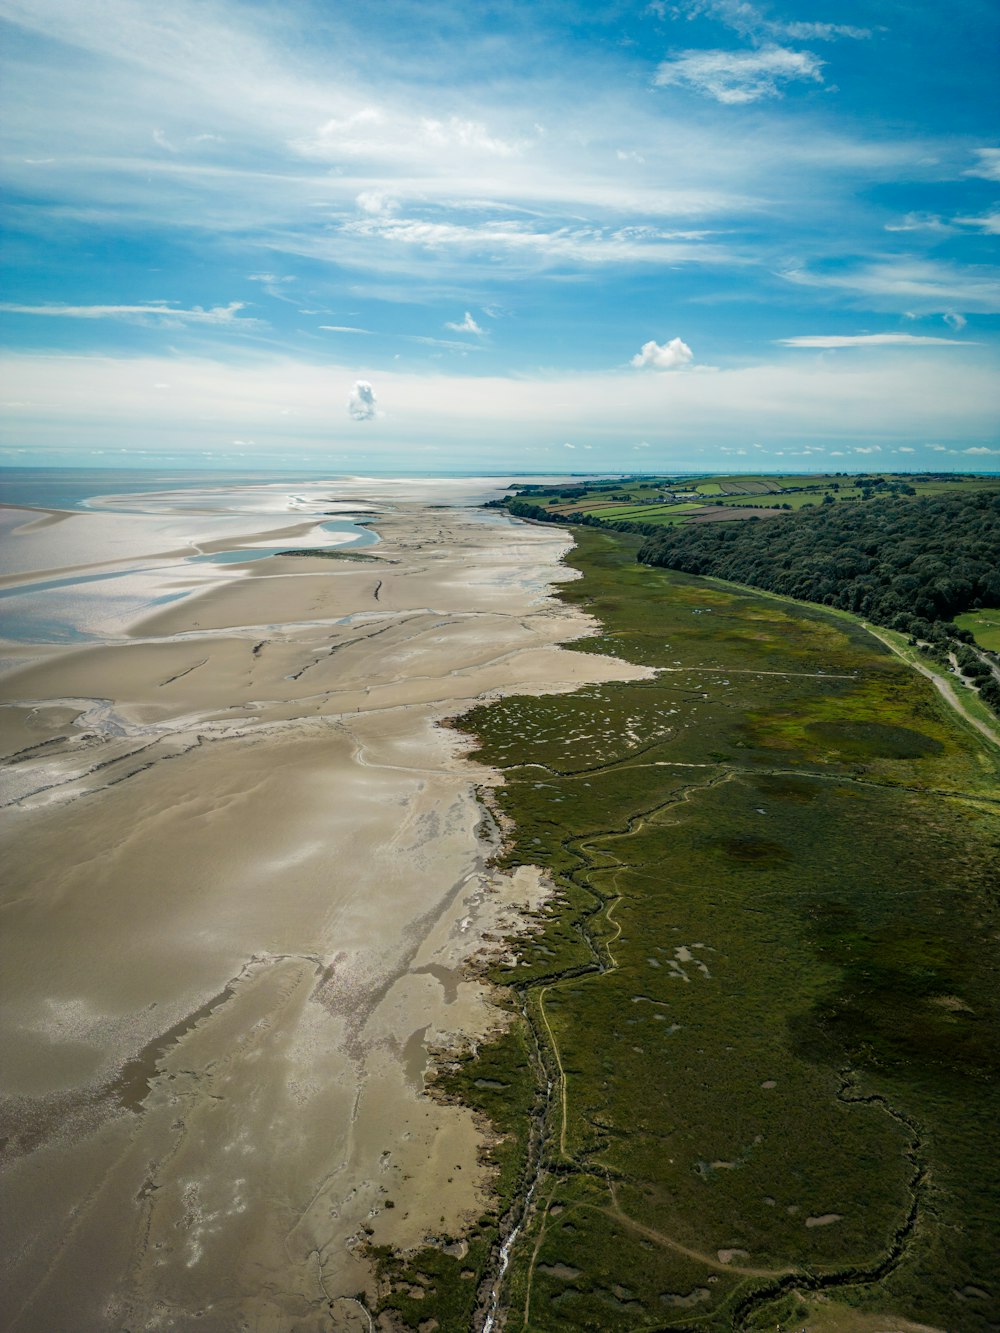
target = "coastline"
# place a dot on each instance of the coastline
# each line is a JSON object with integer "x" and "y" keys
{"x": 299, "y": 706}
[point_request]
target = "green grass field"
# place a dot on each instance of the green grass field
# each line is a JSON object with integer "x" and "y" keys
{"x": 984, "y": 625}
{"x": 766, "y": 993}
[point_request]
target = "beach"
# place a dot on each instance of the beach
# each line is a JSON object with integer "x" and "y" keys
{"x": 248, "y": 898}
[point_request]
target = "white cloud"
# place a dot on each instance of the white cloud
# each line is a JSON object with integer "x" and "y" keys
{"x": 362, "y": 404}
{"x": 938, "y": 448}
{"x": 920, "y": 222}
{"x": 936, "y": 285}
{"x": 378, "y": 202}
{"x": 988, "y": 224}
{"x": 736, "y": 77}
{"x": 823, "y": 32}
{"x": 871, "y": 340}
{"x": 381, "y": 132}
{"x": 980, "y": 450}
{"x": 904, "y": 449}
{"x": 276, "y": 286}
{"x": 569, "y": 446}
{"x": 468, "y": 325}
{"x": 441, "y": 342}
{"x": 159, "y": 311}
{"x": 748, "y": 21}
{"x": 514, "y": 242}
{"x": 988, "y": 166}
{"x": 343, "y": 328}
{"x": 868, "y": 449}
{"x": 666, "y": 356}
{"x": 473, "y": 417}
{"x": 455, "y": 131}
{"x": 954, "y": 320}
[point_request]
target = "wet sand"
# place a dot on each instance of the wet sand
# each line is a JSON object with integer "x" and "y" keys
{"x": 247, "y": 876}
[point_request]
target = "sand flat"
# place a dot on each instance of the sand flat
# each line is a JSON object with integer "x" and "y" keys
{"x": 246, "y": 874}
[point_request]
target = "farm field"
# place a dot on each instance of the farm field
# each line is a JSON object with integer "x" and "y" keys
{"x": 764, "y": 994}
{"x": 667, "y": 501}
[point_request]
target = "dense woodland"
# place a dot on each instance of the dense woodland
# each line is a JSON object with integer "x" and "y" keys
{"x": 911, "y": 565}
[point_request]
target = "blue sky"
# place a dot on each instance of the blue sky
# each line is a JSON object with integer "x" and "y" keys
{"x": 714, "y": 233}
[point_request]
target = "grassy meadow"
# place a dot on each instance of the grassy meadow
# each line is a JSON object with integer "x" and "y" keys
{"x": 765, "y": 993}
{"x": 984, "y": 626}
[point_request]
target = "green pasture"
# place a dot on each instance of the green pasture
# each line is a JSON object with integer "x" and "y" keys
{"x": 765, "y": 991}
{"x": 984, "y": 626}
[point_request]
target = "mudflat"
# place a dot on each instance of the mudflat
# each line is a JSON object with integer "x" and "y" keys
{"x": 247, "y": 882}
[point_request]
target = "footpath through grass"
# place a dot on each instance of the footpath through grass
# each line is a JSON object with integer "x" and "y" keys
{"x": 766, "y": 994}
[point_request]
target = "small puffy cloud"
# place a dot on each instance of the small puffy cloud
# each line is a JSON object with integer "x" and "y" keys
{"x": 872, "y": 340}
{"x": 666, "y": 356}
{"x": 468, "y": 325}
{"x": 362, "y": 403}
{"x": 737, "y": 77}
{"x": 904, "y": 449}
{"x": 569, "y": 446}
{"x": 988, "y": 166}
{"x": 868, "y": 449}
{"x": 955, "y": 321}
{"x": 978, "y": 449}
{"x": 938, "y": 448}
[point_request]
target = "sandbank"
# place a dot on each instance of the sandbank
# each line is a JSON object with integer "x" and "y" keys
{"x": 247, "y": 884}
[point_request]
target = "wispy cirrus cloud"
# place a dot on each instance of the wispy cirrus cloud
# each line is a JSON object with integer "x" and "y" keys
{"x": 986, "y": 223}
{"x": 738, "y": 77}
{"x": 377, "y": 132}
{"x": 937, "y": 286}
{"x": 871, "y": 340}
{"x": 158, "y": 312}
{"x": 537, "y": 244}
{"x": 749, "y": 21}
{"x": 988, "y": 166}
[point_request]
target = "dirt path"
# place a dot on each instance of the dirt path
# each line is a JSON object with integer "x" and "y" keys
{"x": 942, "y": 686}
